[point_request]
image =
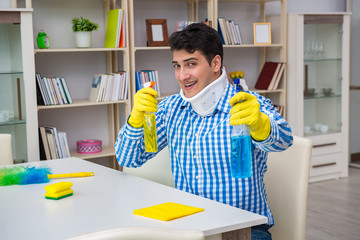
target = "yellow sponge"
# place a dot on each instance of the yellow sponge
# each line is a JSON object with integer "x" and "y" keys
{"x": 58, "y": 190}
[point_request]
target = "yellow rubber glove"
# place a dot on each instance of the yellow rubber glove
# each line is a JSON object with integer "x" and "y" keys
{"x": 144, "y": 101}
{"x": 246, "y": 110}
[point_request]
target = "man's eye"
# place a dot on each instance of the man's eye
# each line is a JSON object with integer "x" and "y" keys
{"x": 191, "y": 64}
{"x": 176, "y": 65}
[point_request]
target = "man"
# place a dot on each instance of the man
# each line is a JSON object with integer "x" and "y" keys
{"x": 196, "y": 125}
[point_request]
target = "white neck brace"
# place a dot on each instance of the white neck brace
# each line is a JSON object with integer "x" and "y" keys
{"x": 205, "y": 101}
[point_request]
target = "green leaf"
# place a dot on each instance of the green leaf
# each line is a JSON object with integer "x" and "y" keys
{"x": 83, "y": 24}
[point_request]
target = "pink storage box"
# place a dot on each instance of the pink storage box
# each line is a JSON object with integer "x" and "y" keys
{"x": 89, "y": 146}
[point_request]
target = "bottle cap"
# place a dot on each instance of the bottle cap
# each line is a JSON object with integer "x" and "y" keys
{"x": 149, "y": 84}
{"x": 236, "y": 81}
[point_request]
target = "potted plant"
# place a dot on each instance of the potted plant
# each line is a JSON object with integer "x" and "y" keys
{"x": 83, "y": 28}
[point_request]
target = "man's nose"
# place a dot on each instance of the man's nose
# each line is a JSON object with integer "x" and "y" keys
{"x": 184, "y": 74}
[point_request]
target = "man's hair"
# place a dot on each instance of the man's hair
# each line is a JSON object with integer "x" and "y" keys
{"x": 198, "y": 37}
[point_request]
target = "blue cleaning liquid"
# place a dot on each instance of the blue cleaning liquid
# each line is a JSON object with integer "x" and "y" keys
{"x": 240, "y": 156}
{"x": 240, "y": 147}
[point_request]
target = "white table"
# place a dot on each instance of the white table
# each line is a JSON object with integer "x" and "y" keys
{"x": 102, "y": 202}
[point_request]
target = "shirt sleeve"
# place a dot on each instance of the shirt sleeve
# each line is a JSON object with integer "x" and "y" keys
{"x": 130, "y": 145}
{"x": 280, "y": 137}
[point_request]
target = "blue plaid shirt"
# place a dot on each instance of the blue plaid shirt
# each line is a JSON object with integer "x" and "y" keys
{"x": 199, "y": 150}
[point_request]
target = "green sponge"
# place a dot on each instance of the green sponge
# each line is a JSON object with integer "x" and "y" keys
{"x": 57, "y": 198}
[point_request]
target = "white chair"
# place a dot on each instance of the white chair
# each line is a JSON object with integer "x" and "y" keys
{"x": 142, "y": 233}
{"x": 286, "y": 184}
{"x": 157, "y": 169}
{"x": 6, "y": 155}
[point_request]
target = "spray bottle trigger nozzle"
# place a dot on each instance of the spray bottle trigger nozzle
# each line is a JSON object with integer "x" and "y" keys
{"x": 149, "y": 84}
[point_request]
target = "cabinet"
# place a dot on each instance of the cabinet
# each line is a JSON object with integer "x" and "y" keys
{"x": 318, "y": 73}
{"x": 17, "y": 93}
{"x": 82, "y": 119}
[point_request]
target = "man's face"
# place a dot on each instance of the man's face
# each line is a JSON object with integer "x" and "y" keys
{"x": 193, "y": 71}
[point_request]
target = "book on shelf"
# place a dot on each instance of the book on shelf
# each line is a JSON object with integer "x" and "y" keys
{"x": 270, "y": 76}
{"x": 115, "y": 29}
{"x": 95, "y": 86}
{"x": 52, "y": 91}
{"x": 66, "y": 90}
{"x": 52, "y": 147}
{"x": 64, "y": 144}
{"x": 238, "y": 33}
{"x": 123, "y": 84}
{"x": 109, "y": 87}
{"x": 50, "y": 130}
{"x": 229, "y": 31}
{"x": 43, "y": 144}
{"x": 144, "y": 76}
{"x": 53, "y": 143}
{"x": 122, "y": 41}
{"x": 275, "y": 81}
{"x": 222, "y": 30}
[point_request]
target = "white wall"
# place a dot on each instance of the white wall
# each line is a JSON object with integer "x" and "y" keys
{"x": 5, "y": 4}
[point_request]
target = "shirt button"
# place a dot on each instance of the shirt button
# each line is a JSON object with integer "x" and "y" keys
{"x": 197, "y": 177}
{"x": 196, "y": 134}
{"x": 195, "y": 156}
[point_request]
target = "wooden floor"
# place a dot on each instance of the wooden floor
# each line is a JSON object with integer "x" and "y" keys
{"x": 334, "y": 209}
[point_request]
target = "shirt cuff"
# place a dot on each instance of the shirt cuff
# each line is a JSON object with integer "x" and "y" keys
{"x": 133, "y": 132}
{"x": 272, "y": 136}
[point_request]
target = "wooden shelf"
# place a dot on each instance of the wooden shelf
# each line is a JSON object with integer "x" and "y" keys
{"x": 268, "y": 91}
{"x": 152, "y": 48}
{"x": 107, "y": 151}
{"x": 80, "y": 103}
{"x": 253, "y": 45}
{"x": 56, "y": 50}
{"x": 16, "y": 10}
{"x": 225, "y": 46}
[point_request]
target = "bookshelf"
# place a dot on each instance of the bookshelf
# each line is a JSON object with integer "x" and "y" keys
{"x": 252, "y": 57}
{"x": 81, "y": 119}
{"x": 249, "y": 57}
{"x": 84, "y": 119}
{"x": 141, "y": 56}
{"x": 53, "y": 50}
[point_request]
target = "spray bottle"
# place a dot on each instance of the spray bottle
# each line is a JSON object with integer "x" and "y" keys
{"x": 240, "y": 147}
{"x": 150, "y": 135}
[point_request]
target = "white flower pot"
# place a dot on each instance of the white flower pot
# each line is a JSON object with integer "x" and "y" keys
{"x": 83, "y": 39}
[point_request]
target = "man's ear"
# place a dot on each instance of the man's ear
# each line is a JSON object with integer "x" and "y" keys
{"x": 216, "y": 63}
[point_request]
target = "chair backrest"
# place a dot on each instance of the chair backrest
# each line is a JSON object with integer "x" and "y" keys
{"x": 142, "y": 233}
{"x": 286, "y": 184}
{"x": 157, "y": 169}
{"x": 6, "y": 155}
